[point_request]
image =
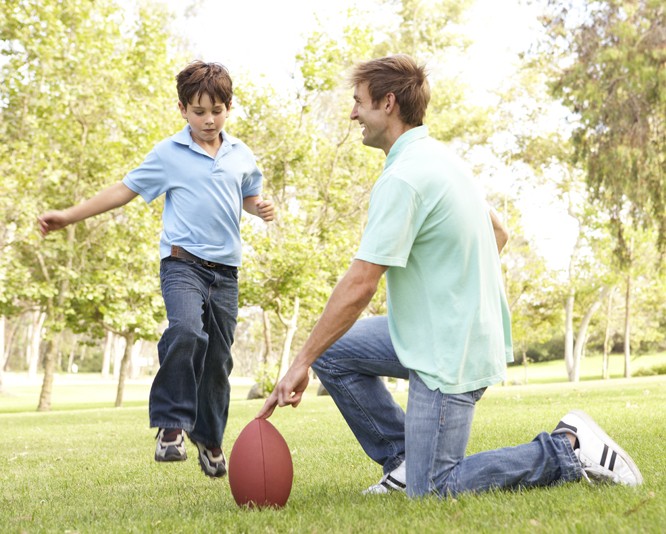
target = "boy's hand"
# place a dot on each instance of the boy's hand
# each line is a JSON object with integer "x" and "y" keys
{"x": 52, "y": 220}
{"x": 266, "y": 210}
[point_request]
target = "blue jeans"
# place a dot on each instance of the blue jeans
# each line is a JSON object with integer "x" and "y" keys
{"x": 191, "y": 388}
{"x": 432, "y": 436}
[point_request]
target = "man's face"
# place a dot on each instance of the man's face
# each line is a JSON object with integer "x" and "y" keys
{"x": 206, "y": 118}
{"x": 371, "y": 116}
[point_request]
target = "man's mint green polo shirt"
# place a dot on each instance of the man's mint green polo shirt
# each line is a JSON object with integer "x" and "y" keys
{"x": 447, "y": 311}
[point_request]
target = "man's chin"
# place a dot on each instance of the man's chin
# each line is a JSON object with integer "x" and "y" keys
{"x": 368, "y": 142}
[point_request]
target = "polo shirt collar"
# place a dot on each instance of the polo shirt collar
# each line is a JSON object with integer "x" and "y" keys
{"x": 411, "y": 135}
{"x": 185, "y": 138}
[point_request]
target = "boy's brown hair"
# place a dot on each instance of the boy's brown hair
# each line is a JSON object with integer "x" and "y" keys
{"x": 401, "y": 76}
{"x": 200, "y": 78}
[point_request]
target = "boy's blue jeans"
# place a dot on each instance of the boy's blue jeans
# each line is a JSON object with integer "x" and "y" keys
{"x": 191, "y": 389}
{"x": 432, "y": 436}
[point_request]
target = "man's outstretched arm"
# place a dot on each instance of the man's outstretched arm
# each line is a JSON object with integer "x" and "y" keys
{"x": 350, "y": 297}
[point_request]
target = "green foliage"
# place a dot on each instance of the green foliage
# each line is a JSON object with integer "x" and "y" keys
{"x": 534, "y": 303}
{"x": 265, "y": 378}
{"x": 87, "y": 90}
{"x": 317, "y": 171}
{"x": 614, "y": 83}
{"x": 650, "y": 371}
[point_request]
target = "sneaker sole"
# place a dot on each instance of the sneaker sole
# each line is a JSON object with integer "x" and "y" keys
{"x": 202, "y": 463}
{"x": 171, "y": 458}
{"x": 609, "y": 441}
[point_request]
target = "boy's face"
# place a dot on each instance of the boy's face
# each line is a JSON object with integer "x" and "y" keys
{"x": 206, "y": 118}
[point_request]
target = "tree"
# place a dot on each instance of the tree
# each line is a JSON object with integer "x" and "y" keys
{"x": 87, "y": 90}
{"x": 612, "y": 78}
{"x": 531, "y": 295}
{"x": 539, "y": 140}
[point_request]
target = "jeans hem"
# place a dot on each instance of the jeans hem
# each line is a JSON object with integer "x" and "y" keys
{"x": 571, "y": 469}
{"x": 187, "y": 427}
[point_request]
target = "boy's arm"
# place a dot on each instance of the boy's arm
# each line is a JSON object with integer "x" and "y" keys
{"x": 112, "y": 197}
{"x": 259, "y": 207}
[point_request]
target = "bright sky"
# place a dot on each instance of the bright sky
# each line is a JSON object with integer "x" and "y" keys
{"x": 262, "y": 38}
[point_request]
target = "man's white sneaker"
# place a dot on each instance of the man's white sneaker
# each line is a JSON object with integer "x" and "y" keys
{"x": 393, "y": 481}
{"x": 602, "y": 459}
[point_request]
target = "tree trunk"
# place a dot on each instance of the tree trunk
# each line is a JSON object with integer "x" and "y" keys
{"x": 525, "y": 363}
{"x": 268, "y": 341}
{"x": 9, "y": 342}
{"x": 568, "y": 335}
{"x": 70, "y": 359}
{"x": 292, "y": 326}
{"x": 605, "y": 373}
{"x": 119, "y": 347}
{"x": 50, "y": 360}
{"x": 124, "y": 365}
{"x": 627, "y": 330}
{"x": 34, "y": 341}
{"x": 108, "y": 351}
{"x": 581, "y": 338}
{"x": 135, "y": 366}
{"x": 3, "y": 321}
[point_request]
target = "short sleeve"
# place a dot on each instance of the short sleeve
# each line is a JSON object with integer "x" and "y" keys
{"x": 252, "y": 182}
{"x": 394, "y": 218}
{"x": 148, "y": 179}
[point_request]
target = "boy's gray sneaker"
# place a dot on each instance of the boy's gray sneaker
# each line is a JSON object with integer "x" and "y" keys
{"x": 170, "y": 445}
{"x": 602, "y": 459}
{"x": 212, "y": 460}
{"x": 393, "y": 481}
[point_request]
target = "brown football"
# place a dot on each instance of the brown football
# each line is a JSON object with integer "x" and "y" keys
{"x": 260, "y": 468}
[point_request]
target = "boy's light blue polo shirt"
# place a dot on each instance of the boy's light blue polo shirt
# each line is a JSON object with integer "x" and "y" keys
{"x": 447, "y": 311}
{"x": 204, "y": 194}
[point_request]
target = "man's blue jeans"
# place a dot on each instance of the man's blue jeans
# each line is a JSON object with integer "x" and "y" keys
{"x": 191, "y": 389}
{"x": 432, "y": 436}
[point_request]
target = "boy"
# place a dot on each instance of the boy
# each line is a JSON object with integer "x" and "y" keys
{"x": 448, "y": 327}
{"x": 207, "y": 176}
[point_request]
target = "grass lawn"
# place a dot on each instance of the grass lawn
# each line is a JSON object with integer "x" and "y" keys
{"x": 590, "y": 369}
{"x": 88, "y": 467}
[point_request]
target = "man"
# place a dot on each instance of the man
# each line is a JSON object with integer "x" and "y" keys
{"x": 448, "y": 325}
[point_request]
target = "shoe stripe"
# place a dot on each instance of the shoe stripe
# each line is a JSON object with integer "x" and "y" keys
{"x": 603, "y": 456}
{"x": 612, "y": 461}
{"x": 395, "y": 482}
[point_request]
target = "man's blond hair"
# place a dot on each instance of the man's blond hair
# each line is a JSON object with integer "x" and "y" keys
{"x": 400, "y": 75}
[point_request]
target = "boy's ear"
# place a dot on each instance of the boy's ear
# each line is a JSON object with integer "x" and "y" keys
{"x": 183, "y": 110}
{"x": 231, "y": 103}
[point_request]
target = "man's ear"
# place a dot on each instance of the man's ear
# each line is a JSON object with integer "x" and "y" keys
{"x": 389, "y": 102}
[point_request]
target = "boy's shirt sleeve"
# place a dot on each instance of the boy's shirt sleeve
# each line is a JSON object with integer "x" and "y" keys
{"x": 251, "y": 184}
{"x": 148, "y": 178}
